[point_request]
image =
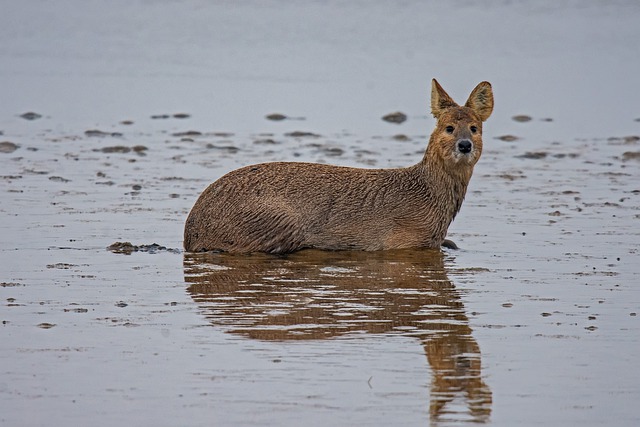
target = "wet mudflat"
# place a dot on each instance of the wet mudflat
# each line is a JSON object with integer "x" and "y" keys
{"x": 534, "y": 321}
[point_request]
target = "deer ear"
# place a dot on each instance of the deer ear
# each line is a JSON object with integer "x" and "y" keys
{"x": 440, "y": 100}
{"x": 481, "y": 100}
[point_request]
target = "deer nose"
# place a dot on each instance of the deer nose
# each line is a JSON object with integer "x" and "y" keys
{"x": 464, "y": 146}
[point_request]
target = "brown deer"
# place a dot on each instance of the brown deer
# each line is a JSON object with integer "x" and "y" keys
{"x": 283, "y": 207}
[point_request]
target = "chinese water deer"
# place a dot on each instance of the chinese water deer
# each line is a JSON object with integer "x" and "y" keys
{"x": 283, "y": 207}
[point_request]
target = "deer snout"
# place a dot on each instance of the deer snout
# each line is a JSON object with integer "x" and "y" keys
{"x": 464, "y": 146}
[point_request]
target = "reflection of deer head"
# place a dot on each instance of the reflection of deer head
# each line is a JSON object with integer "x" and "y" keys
{"x": 318, "y": 295}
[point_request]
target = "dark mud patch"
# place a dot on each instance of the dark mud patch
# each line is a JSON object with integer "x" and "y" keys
{"x": 396, "y": 117}
{"x": 8, "y": 147}
{"x": 127, "y": 248}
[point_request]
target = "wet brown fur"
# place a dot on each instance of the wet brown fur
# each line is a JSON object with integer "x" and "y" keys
{"x": 283, "y": 207}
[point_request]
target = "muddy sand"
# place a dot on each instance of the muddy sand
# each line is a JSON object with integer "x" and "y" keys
{"x": 534, "y": 321}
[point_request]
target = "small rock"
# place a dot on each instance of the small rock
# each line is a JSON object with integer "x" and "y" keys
{"x": 631, "y": 155}
{"x": 8, "y": 147}
{"x": 181, "y": 116}
{"x": 401, "y": 137}
{"x": 45, "y": 325}
{"x": 116, "y": 149}
{"x": 507, "y": 138}
{"x": 521, "y": 118}
{"x": 139, "y": 149}
{"x": 300, "y": 134}
{"x": 189, "y": 133}
{"x": 536, "y": 155}
{"x": 58, "y": 179}
{"x": 160, "y": 116}
{"x": 265, "y": 141}
{"x": 396, "y": 117}
{"x": 276, "y": 117}
{"x": 30, "y": 116}
{"x": 126, "y": 122}
{"x": 99, "y": 133}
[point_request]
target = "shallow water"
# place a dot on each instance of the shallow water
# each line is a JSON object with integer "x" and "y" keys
{"x": 142, "y": 104}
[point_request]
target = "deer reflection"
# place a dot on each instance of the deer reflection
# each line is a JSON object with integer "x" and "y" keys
{"x": 319, "y": 295}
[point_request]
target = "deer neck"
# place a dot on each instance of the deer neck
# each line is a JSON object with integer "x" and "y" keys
{"x": 448, "y": 183}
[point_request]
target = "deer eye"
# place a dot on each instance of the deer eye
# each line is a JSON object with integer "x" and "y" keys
{"x": 473, "y": 129}
{"x": 449, "y": 129}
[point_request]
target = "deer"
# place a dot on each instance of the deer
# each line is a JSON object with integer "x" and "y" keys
{"x": 283, "y": 207}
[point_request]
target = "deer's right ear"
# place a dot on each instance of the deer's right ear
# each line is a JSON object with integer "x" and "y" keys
{"x": 440, "y": 100}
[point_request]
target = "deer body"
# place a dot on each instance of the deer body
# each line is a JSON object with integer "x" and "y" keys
{"x": 282, "y": 207}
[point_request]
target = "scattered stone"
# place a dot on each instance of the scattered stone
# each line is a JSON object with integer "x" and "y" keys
{"x": 136, "y": 187}
{"x": 160, "y": 116}
{"x": 115, "y": 149}
{"x": 99, "y": 133}
{"x": 228, "y": 148}
{"x": 265, "y": 141}
{"x": 61, "y": 266}
{"x": 522, "y": 118}
{"x": 555, "y": 213}
{"x": 624, "y": 140}
{"x": 139, "y": 149}
{"x": 631, "y": 155}
{"x": 189, "y": 133}
{"x": 333, "y": 151}
{"x": 58, "y": 179}
{"x": 276, "y": 117}
{"x": 8, "y": 147}
{"x": 181, "y": 116}
{"x": 507, "y": 138}
{"x": 401, "y": 137}
{"x": 127, "y": 248}
{"x": 396, "y": 117}
{"x": 126, "y": 122}
{"x": 45, "y": 325}
{"x": 76, "y": 310}
{"x": 30, "y": 116}
{"x": 536, "y": 155}
{"x": 121, "y": 304}
{"x": 300, "y": 134}
{"x": 10, "y": 284}
{"x": 546, "y": 119}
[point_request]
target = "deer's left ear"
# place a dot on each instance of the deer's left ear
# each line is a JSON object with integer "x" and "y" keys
{"x": 440, "y": 100}
{"x": 481, "y": 100}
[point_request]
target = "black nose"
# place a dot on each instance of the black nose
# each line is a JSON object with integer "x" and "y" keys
{"x": 464, "y": 146}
